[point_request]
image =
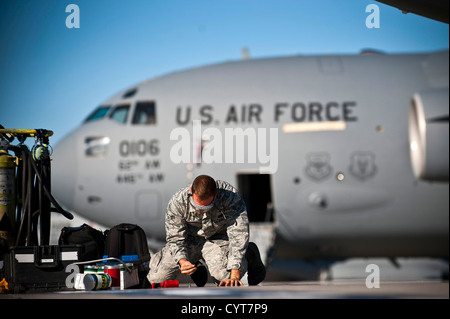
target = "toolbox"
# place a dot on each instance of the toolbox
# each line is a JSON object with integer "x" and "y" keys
{"x": 41, "y": 267}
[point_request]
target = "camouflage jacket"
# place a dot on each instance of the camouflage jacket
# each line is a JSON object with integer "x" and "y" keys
{"x": 227, "y": 221}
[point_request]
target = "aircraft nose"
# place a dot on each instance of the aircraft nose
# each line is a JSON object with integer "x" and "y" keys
{"x": 64, "y": 171}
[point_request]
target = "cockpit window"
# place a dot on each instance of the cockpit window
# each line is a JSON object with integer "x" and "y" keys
{"x": 99, "y": 113}
{"x": 145, "y": 113}
{"x": 120, "y": 113}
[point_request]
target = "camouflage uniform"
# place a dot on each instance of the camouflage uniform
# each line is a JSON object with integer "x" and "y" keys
{"x": 219, "y": 236}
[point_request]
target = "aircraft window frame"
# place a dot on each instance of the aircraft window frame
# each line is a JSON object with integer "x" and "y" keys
{"x": 144, "y": 113}
{"x": 99, "y": 113}
{"x": 122, "y": 119}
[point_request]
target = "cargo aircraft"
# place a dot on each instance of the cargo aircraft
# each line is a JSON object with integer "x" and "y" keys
{"x": 338, "y": 155}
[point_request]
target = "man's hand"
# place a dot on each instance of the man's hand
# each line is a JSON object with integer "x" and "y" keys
{"x": 232, "y": 282}
{"x": 186, "y": 267}
{"x": 234, "y": 279}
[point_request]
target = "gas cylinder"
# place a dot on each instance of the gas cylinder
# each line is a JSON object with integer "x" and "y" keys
{"x": 7, "y": 197}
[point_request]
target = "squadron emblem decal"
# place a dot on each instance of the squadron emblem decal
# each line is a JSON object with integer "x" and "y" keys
{"x": 319, "y": 166}
{"x": 362, "y": 165}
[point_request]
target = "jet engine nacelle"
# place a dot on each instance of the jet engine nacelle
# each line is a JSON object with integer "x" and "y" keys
{"x": 429, "y": 134}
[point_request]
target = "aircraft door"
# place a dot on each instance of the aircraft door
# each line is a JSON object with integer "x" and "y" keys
{"x": 256, "y": 191}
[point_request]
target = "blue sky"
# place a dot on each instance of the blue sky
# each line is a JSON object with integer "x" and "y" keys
{"x": 53, "y": 77}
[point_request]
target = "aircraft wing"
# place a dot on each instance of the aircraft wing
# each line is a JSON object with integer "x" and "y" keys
{"x": 432, "y": 9}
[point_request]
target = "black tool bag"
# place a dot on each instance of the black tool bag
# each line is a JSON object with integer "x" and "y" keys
{"x": 41, "y": 267}
{"x": 92, "y": 239}
{"x": 128, "y": 242}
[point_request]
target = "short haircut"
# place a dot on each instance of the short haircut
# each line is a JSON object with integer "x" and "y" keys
{"x": 204, "y": 187}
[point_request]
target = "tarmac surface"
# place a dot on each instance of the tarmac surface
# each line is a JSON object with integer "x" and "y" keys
{"x": 266, "y": 290}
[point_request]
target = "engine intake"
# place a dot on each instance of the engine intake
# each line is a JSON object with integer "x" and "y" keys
{"x": 429, "y": 134}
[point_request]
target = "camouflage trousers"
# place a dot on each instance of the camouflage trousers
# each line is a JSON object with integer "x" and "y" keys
{"x": 214, "y": 253}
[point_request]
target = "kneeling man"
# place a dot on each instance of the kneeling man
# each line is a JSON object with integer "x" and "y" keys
{"x": 207, "y": 221}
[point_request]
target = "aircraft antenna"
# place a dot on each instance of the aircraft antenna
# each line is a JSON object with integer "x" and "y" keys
{"x": 245, "y": 53}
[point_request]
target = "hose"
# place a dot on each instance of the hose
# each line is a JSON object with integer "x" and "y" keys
{"x": 49, "y": 195}
{"x": 33, "y": 184}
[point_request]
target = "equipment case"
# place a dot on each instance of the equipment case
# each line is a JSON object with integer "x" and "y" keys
{"x": 40, "y": 267}
{"x": 128, "y": 242}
